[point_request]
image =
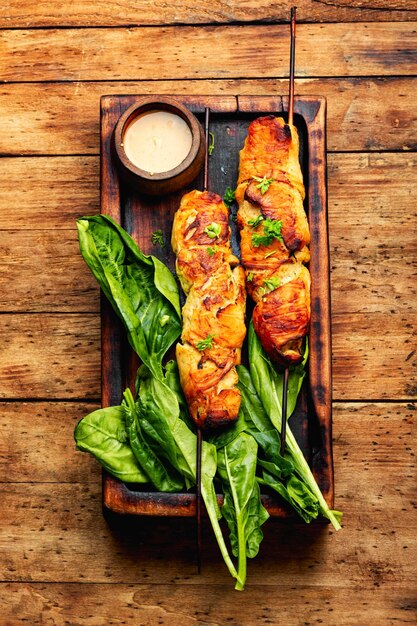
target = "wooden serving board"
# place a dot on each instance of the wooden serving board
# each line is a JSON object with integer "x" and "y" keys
{"x": 141, "y": 216}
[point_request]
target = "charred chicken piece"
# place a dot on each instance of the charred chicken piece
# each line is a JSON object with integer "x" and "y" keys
{"x": 214, "y": 312}
{"x": 275, "y": 237}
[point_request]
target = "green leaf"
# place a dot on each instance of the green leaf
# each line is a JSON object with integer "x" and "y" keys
{"x": 256, "y": 221}
{"x": 161, "y": 422}
{"x": 242, "y": 507}
{"x": 157, "y": 238}
{"x": 103, "y": 433}
{"x": 271, "y": 231}
{"x": 269, "y": 384}
{"x": 213, "y": 230}
{"x": 205, "y": 344}
{"x": 263, "y": 183}
{"x": 296, "y": 493}
{"x": 140, "y": 288}
{"x": 210, "y": 148}
{"x": 161, "y": 473}
{"x": 229, "y": 196}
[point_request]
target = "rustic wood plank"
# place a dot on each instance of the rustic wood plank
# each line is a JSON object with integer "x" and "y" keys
{"x": 362, "y": 113}
{"x": 49, "y": 356}
{"x": 374, "y": 356}
{"x": 56, "y": 191}
{"x": 366, "y": 348}
{"x": 372, "y": 232}
{"x": 66, "y": 284}
{"x": 172, "y": 604}
{"x": 367, "y": 258}
{"x": 37, "y": 443}
{"x": 58, "y": 527}
{"x": 30, "y": 13}
{"x": 361, "y": 49}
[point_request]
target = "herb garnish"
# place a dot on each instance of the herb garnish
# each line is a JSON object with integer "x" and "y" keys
{"x": 256, "y": 221}
{"x": 229, "y": 196}
{"x": 213, "y": 230}
{"x": 249, "y": 277}
{"x": 263, "y": 183}
{"x": 205, "y": 343}
{"x": 211, "y": 144}
{"x": 272, "y": 230}
{"x": 157, "y": 237}
{"x": 270, "y": 284}
{"x": 212, "y": 250}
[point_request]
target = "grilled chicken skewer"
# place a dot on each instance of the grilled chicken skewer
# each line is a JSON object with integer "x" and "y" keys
{"x": 214, "y": 312}
{"x": 275, "y": 236}
{"x": 213, "y": 315}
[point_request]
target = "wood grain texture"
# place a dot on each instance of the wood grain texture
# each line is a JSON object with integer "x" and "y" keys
{"x": 37, "y": 443}
{"x": 365, "y": 257}
{"x": 216, "y": 605}
{"x": 362, "y": 113}
{"x": 62, "y": 562}
{"x": 54, "y": 193}
{"x": 56, "y": 526}
{"x": 66, "y": 283}
{"x": 57, "y": 356}
{"x": 372, "y": 232}
{"x": 30, "y": 13}
{"x": 372, "y": 282}
{"x": 49, "y": 356}
{"x": 361, "y": 49}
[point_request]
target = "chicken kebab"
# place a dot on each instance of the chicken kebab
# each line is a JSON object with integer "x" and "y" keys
{"x": 275, "y": 237}
{"x": 214, "y": 312}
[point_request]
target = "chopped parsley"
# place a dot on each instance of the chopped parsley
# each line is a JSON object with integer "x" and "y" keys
{"x": 249, "y": 277}
{"x": 211, "y": 144}
{"x": 263, "y": 183}
{"x": 256, "y": 221}
{"x": 158, "y": 238}
{"x": 229, "y": 196}
{"x": 272, "y": 283}
{"x": 213, "y": 230}
{"x": 212, "y": 250}
{"x": 272, "y": 230}
{"x": 269, "y": 285}
{"x": 205, "y": 343}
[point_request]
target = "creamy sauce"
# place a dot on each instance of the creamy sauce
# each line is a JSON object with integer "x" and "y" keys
{"x": 157, "y": 141}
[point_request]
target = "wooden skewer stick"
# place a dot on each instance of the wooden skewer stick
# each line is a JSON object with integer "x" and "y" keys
{"x": 198, "y": 497}
{"x": 199, "y": 431}
{"x": 284, "y": 411}
{"x": 290, "y": 122}
{"x": 292, "y": 65}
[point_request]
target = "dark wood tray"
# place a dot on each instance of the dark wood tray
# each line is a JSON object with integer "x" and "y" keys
{"x": 141, "y": 216}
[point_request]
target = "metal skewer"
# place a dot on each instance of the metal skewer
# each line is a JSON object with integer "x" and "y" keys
{"x": 290, "y": 122}
{"x": 199, "y": 431}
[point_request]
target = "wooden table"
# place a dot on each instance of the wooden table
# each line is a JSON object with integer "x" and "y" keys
{"x": 62, "y": 562}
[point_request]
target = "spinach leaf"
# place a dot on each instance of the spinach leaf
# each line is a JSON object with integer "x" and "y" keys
{"x": 262, "y": 370}
{"x": 242, "y": 507}
{"x": 103, "y": 433}
{"x": 162, "y": 475}
{"x": 268, "y": 384}
{"x": 260, "y": 427}
{"x": 140, "y": 288}
{"x": 163, "y": 426}
{"x": 296, "y": 493}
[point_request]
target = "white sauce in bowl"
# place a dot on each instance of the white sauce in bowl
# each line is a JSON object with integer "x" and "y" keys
{"x": 157, "y": 141}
